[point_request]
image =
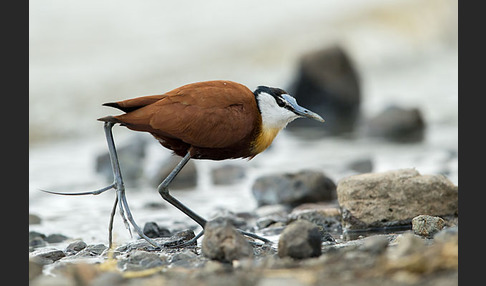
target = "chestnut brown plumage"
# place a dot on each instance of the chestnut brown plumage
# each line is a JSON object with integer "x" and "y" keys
{"x": 214, "y": 120}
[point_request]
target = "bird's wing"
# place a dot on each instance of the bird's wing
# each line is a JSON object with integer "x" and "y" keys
{"x": 214, "y": 115}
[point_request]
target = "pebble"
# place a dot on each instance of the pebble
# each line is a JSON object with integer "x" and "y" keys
{"x": 34, "y": 219}
{"x": 75, "y": 246}
{"x": 152, "y": 230}
{"x": 300, "y": 239}
{"x": 51, "y": 254}
{"x": 223, "y": 242}
{"x": 427, "y": 226}
{"x": 139, "y": 260}
{"x": 55, "y": 238}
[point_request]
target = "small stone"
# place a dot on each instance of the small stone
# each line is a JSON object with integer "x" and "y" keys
{"x": 426, "y": 225}
{"x": 34, "y": 234}
{"x": 300, "y": 239}
{"x": 152, "y": 230}
{"x": 55, "y": 238}
{"x": 37, "y": 242}
{"x": 34, "y": 219}
{"x": 223, "y": 242}
{"x": 51, "y": 254}
{"x": 92, "y": 250}
{"x": 139, "y": 260}
{"x": 75, "y": 247}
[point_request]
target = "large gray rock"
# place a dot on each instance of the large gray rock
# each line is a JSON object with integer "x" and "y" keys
{"x": 328, "y": 84}
{"x": 294, "y": 189}
{"x": 394, "y": 198}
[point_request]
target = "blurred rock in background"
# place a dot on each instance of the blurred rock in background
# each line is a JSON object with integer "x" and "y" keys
{"x": 327, "y": 82}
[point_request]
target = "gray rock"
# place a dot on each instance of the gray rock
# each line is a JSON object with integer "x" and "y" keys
{"x": 228, "y": 174}
{"x": 427, "y": 226}
{"x": 293, "y": 189}
{"x": 51, "y": 254}
{"x": 325, "y": 222}
{"x": 37, "y": 242}
{"x": 75, "y": 246}
{"x": 397, "y": 124}
{"x": 139, "y": 260}
{"x": 393, "y": 198}
{"x": 130, "y": 156}
{"x": 328, "y": 83}
{"x": 55, "y": 238}
{"x": 173, "y": 240}
{"x": 92, "y": 250}
{"x": 33, "y": 234}
{"x": 187, "y": 177}
{"x": 34, "y": 219}
{"x": 152, "y": 230}
{"x": 300, "y": 239}
{"x": 223, "y": 242}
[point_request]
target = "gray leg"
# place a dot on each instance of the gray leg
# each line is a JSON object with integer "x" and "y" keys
{"x": 163, "y": 189}
{"x": 120, "y": 191}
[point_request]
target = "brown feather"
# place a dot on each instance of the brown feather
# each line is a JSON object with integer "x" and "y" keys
{"x": 218, "y": 119}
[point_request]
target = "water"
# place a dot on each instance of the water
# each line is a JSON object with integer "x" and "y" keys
{"x": 81, "y": 58}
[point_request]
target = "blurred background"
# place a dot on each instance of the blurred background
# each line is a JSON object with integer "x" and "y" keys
{"x": 383, "y": 74}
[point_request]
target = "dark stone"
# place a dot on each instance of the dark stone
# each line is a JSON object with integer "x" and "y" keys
{"x": 55, "y": 238}
{"x": 152, "y": 230}
{"x": 139, "y": 260}
{"x": 75, "y": 247}
{"x": 223, "y": 242}
{"x": 92, "y": 250}
{"x": 397, "y": 124}
{"x": 33, "y": 234}
{"x": 300, "y": 239}
{"x": 294, "y": 189}
{"x": 52, "y": 254}
{"x": 328, "y": 84}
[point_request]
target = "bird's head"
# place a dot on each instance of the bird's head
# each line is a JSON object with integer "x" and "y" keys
{"x": 278, "y": 108}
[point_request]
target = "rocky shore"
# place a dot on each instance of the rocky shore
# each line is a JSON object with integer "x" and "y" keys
{"x": 398, "y": 227}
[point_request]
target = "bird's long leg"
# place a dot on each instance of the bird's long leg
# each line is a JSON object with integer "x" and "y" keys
{"x": 163, "y": 189}
{"x": 120, "y": 188}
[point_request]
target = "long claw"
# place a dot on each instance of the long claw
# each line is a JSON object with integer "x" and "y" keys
{"x": 97, "y": 192}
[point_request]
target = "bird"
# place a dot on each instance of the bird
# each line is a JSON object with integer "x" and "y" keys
{"x": 215, "y": 120}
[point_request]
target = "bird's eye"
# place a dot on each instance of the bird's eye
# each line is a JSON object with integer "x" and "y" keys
{"x": 280, "y": 102}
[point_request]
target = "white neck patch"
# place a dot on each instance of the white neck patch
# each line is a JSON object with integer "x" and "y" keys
{"x": 273, "y": 116}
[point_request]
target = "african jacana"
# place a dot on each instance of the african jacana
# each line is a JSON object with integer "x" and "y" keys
{"x": 214, "y": 120}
